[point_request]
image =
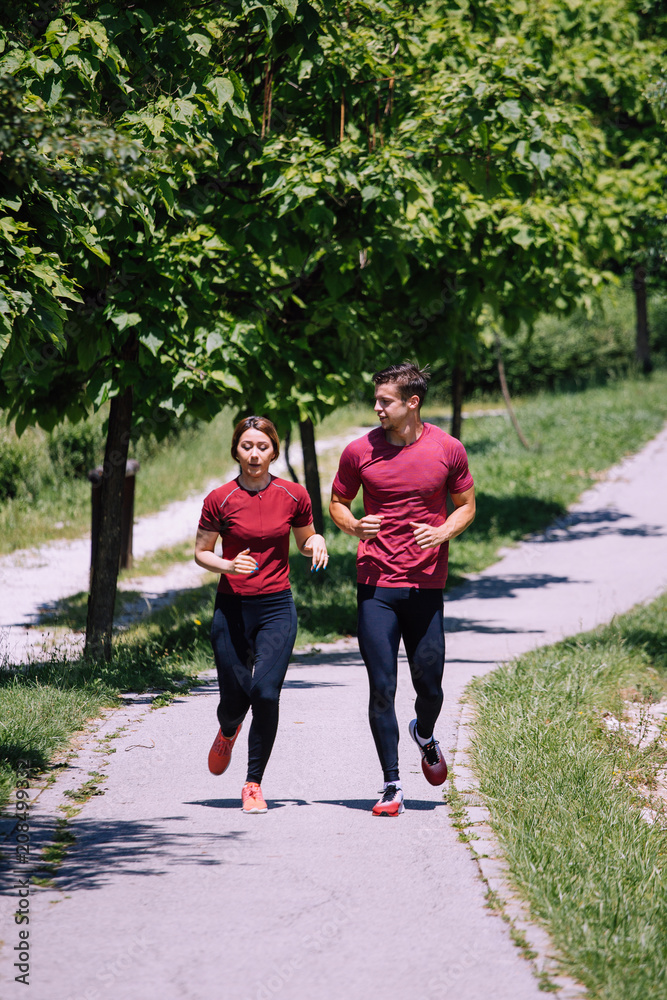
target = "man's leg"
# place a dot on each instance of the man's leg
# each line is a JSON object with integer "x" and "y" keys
{"x": 422, "y": 626}
{"x": 424, "y": 638}
{"x": 379, "y": 636}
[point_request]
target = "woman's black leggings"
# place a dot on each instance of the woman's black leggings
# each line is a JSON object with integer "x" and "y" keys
{"x": 385, "y": 615}
{"x": 252, "y": 640}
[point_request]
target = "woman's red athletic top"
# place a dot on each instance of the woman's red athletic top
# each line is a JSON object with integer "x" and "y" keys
{"x": 260, "y": 522}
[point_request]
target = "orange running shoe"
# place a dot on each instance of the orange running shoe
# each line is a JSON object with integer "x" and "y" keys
{"x": 252, "y": 798}
{"x": 220, "y": 753}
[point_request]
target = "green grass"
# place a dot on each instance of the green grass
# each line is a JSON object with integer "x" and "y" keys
{"x": 565, "y": 798}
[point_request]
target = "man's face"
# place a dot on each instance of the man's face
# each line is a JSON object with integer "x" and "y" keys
{"x": 390, "y": 408}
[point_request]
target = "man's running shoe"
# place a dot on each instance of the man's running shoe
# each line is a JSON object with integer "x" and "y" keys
{"x": 391, "y": 803}
{"x": 252, "y": 798}
{"x": 220, "y": 753}
{"x": 434, "y": 765}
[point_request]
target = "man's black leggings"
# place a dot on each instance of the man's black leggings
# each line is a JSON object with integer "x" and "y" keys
{"x": 252, "y": 640}
{"x": 385, "y": 615}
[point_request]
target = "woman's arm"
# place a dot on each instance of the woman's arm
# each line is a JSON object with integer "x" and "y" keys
{"x": 313, "y": 545}
{"x": 205, "y": 556}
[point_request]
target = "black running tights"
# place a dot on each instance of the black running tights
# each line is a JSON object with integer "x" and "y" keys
{"x": 385, "y": 615}
{"x": 252, "y": 640}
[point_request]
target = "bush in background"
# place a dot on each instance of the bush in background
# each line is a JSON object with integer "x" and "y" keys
{"x": 568, "y": 353}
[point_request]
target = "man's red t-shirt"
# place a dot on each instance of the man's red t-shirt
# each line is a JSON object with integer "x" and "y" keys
{"x": 404, "y": 484}
{"x": 259, "y": 521}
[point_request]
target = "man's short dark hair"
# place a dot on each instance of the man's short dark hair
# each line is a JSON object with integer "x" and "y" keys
{"x": 409, "y": 379}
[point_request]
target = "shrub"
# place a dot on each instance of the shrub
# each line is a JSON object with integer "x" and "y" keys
{"x": 74, "y": 449}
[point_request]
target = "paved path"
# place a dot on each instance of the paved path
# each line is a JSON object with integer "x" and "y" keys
{"x": 169, "y": 892}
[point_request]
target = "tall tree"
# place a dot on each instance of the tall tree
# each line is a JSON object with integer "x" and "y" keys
{"x": 139, "y": 118}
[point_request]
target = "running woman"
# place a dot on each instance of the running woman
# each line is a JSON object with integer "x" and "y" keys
{"x": 254, "y": 621}
{"x": 405, "y": 468}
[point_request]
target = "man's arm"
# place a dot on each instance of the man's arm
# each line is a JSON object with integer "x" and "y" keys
{"x": 365, "y": 527}
{"x": 427, "y": 536}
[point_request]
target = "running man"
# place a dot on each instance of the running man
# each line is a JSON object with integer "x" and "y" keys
{"x": 405, "y": 468}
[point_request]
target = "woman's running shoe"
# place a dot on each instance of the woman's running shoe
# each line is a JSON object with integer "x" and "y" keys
{"x": 391, "y": 803}
{"x": 220, "y": 753}
{"x": 252, "y": 798}
{"x": 434, "y": 765}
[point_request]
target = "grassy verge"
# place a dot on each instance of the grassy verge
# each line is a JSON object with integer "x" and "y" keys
{"x": 564, "y": 793}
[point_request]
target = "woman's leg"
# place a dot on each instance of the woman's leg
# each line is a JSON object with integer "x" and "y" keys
{"x": 232, "y": 651}
{"x": 273, "y": 633}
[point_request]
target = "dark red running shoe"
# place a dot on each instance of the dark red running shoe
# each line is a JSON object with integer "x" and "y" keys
{"x": 220, "y": 753}
{"x": 434, "y": 765}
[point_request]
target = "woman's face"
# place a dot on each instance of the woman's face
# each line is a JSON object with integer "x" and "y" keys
{"x": 254, "y": 453}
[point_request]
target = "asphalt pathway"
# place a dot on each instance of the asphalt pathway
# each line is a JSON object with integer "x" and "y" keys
{"x": 170, "y": 892}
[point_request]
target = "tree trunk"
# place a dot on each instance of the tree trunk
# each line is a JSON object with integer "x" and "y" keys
{"x": 287, "y": 443}
{"x": 458, "y": 387}
{"x": 311, "y": 472}
{"x": 506, "y": 393}
{"x": 106, "y": 557}
{"x": 642, "y": 348}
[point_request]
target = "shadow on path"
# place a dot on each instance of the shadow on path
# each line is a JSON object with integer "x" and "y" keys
{"x": 367, "y": 804}
{"x": 494, "y": 587}
{"x": 474, "y": 625}
{"x": 236, "y": 803}
{"x": 302, "y": 685}
{"x": 108, "y": 849}
{"x": 595, "y": 524}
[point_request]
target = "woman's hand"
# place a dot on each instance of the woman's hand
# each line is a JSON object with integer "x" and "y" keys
{"x": 317, "y": 547}
{"x": 243, "y": 564}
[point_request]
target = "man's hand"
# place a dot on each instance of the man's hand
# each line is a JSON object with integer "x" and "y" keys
{"x": 428, "y": 536}
{"x": 368, "y": 527}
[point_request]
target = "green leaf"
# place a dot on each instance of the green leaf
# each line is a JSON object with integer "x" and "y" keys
{"x": 222, "y": 89}
{"x": 541, "y": 160}
{"x": 290, "y": 6}
{"x": 229, "y": 381}
{"x": 152, "y": 343}
{"x": 201, "y": 42}
{"x": 522, "y": 237}
{"x": 87, "y": 239}
{"x": 511, "y": 110}
{"x": 124, "y": 319}
{"x": 213, "y": 342}
{"x": 370, "y": 192}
